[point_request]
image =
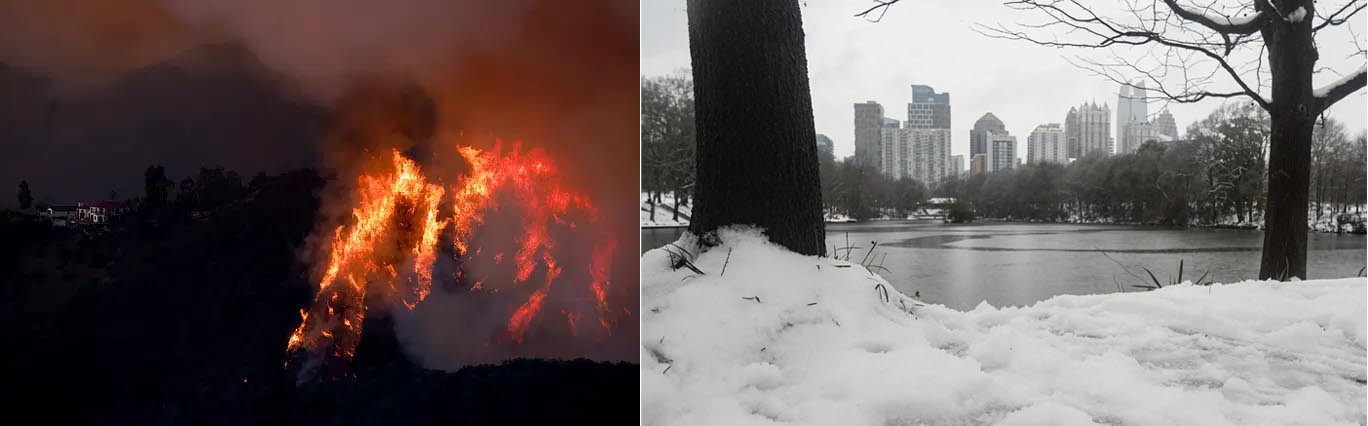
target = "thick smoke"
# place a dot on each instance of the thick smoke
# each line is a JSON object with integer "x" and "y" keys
{"x": 322, "y": 46}
{"x": 421, "y": 76}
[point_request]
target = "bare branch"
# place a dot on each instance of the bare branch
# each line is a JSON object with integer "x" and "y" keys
{"x": 1099, "y": 32}
{"x": 1328, "y": 95}
{"x": 1332, "y": 20}
{"x": 1135, "y": 38}
{"x": 879, "y": 5}
{"x": 1186, "y": 96}
{"x": 1221, "y": 24}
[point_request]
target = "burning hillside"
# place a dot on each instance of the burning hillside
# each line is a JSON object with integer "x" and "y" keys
{"x": 412, "y": 257}
{"x": 402, "y": 222}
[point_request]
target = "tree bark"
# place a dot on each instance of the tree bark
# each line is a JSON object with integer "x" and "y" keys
{"x": 757, "y": 155}
{"x": 1292, "y": 57}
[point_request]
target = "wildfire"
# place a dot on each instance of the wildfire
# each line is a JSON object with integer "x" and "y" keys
{"x": 389, "y": 248}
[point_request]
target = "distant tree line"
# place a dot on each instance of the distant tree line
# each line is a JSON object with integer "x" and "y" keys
{"x": 667, "y": 139}
{"x": 1217, "y": 175}
{"x": 208, "y": 189}
{"x": 860, "y": 192}
{"x": 667, "y": 160}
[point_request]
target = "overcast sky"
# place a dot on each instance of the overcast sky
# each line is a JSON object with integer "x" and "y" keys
{"x": 930, "y": 42}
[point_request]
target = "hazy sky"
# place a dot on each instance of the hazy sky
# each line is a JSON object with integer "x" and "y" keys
{"x": 930, "y": 42}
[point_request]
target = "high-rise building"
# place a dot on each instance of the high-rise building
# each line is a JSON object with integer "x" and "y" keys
{"x": 1164, "y": 125}
{"x": 1131, "y": 110}
{"x": 890, "y": 123}
{"x": 869, "y": 119}
{"x": 977, "y": 163}
{"x": 957, "y": 165}
{"x": 978, "y": 136}
{"x": 1071, "y": 133}
{"x": 921, "y": 154}
{"x": 1088, "y": 128}
{"x": 825, "y": 146}
{"x": 1137, "y": 134}
{"x": 928, "y": 109}
{"x": 1001, "y": 153}
{"x": 1047, "y": 144}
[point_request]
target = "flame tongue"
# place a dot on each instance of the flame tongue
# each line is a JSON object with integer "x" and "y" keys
{"x": 389, "y": 248}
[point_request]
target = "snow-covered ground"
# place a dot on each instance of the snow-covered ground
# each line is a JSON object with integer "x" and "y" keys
{"x": 664, "y": 212}
{"x": 665, "y": 217}
{"x": 1331, "y": 222}
{"x": 765, "y": 336}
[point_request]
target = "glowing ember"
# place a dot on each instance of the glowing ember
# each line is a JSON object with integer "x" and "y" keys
{"x": 397, "y": 226}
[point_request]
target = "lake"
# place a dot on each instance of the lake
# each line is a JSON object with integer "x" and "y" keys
{"x": 1016, "y": 264}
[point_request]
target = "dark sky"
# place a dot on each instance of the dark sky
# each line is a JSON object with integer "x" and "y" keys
{"x": 209, "y": 106}
{"x": 92, "y": 93}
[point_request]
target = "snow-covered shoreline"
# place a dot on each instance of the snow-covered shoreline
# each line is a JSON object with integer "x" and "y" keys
{"x": 780, "y": 337}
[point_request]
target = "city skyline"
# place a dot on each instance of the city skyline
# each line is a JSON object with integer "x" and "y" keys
{"x": 850, "y": 60}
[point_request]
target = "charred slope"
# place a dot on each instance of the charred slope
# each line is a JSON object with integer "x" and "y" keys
{"x": 190, "y": 328}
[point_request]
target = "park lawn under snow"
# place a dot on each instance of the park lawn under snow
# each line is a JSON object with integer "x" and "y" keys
{"x": 664, "y": 212}
{"x": 766, "y": 336}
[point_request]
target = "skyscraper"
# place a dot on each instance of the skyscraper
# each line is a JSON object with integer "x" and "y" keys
{"x": 1164, "y": 125}
{"x": 957, "y": 165}
{"x": 921, "y": 154}
{"x": 1047, "y": 144}
{"x": 928, "y": 109}
{"x": 1131, "y": 110}
{"x": 1086, "y": 130}
{"x": 1001, "y": 153}
{"x": 978, "y": 136}
{"x": 869, "y": 119}
{"x": 1137, "y": 133}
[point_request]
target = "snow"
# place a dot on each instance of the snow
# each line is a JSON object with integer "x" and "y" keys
{"x": 1297, "y": 15}
{"x": 665, "y": 217}
{"x": 1220, "y": 18}
{"x": 664, "y": 212}
{"x": 1325, "y": 90}
{"x": 766, "y": 336}
{"x": 830, "y": 217}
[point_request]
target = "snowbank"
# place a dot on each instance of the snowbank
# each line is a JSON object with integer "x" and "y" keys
{"x": 766, "y": 336}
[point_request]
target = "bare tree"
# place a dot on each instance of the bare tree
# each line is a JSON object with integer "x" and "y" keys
{"x": 1263, "y": 50}
{"x": 667, "y": 139}
{"x": 756, "y": 159}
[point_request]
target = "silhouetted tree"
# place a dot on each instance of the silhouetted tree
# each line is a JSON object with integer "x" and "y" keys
{"x": 185, "y": 197}
{"x": 156, "y": 187}
{"x": 25, "y": 196}
{"x": 667, "y": 139}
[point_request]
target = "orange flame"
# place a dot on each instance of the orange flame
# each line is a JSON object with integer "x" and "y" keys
{"x": 401, "y": 206}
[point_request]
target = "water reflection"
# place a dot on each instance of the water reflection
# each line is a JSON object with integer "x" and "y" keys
{"x": 1020, "y": 264}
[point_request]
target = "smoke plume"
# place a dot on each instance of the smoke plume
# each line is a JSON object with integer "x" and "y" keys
{"x": 422, "y": 77}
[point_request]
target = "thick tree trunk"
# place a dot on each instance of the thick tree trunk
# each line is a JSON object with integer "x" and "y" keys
{"x": 757, "y": 159}
{"x": 1292, "y": 57}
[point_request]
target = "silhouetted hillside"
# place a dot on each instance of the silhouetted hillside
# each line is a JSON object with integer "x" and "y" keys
{"x": 187, "y": 322}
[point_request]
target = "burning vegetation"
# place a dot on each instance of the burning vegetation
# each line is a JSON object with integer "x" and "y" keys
{"x": 386, "y": 255}
{"x": 493, "y": 267}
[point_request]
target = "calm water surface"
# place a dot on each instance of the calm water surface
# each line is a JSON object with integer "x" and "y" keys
{"x": 1016, "y": 264}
